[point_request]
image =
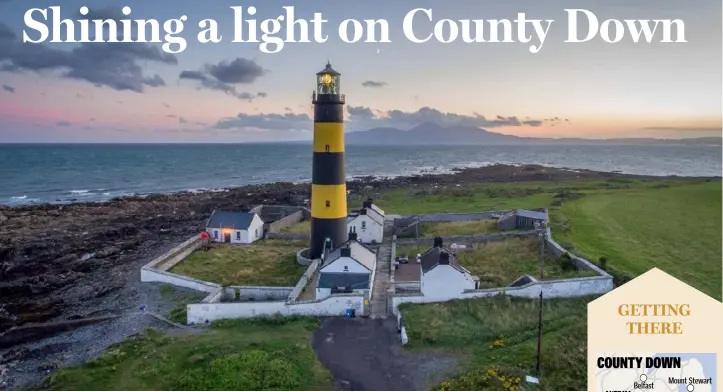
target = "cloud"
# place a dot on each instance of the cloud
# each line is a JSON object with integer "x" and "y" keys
{"x": 682, "y": 128}
{"x": 362, "y": 118}
{"x": 372, "y": 83}
{"x": 63, "y": 124}
{"x": 226, "y": 74}
{"x": 271, "y": 121}
{"x": 9, "y": 89}
{"x": 182, "y": 120}
{"x": 114, "y": 65}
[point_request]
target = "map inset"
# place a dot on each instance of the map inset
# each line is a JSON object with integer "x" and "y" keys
{"x": 670, "y": 372}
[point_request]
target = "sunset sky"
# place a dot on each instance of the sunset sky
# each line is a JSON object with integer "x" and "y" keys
{"x": 234, "y": 92}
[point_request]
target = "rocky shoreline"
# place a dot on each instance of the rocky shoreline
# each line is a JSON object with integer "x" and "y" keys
{"x": 61, "y": 261}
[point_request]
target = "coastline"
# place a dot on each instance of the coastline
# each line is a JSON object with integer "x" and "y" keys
{"x": 78, "y": 260}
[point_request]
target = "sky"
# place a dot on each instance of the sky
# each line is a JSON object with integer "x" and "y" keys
{"x": 233, "y": 92}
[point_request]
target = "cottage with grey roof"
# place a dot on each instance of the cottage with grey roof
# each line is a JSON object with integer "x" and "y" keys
{"x": 441, "y": 275}
{"x": 235, "y": 227}
{"x": 346, "y": 269}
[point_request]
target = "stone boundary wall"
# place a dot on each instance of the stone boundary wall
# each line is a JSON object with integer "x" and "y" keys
{"x": 286, "y": 221}
{"x": 458, "y": 217}
{"x": 580, "y": 263}
{"x": 303, "y": 281}
{"x": 167, "y": 260}
{"x": 561, "y": 288}
{"x": 477, "y": 238}
{"x": 335, "y": 305}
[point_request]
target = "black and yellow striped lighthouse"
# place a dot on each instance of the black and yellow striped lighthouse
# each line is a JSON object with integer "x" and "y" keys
{"x": 328, "y": 178}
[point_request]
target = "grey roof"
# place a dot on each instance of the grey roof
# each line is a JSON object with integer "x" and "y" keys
{"x": 328, "y": 280}
{"x": 230, "y": 220}
{"x": 430, "y": 259}
{"x": 531, "y": 214}
{"x": 359, "y": 252}
{"x": 371, "y": 213}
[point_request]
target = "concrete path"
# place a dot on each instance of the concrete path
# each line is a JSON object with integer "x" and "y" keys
{"x": 380, "y": 292}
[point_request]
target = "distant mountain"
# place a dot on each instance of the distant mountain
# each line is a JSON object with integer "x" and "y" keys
{"x": 431, "y": 133}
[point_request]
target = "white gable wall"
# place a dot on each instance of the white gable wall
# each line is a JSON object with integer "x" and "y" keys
{"x": 367, "y": 229}
{"x": 445, "y": 282}
{"x": 352, "y": 265}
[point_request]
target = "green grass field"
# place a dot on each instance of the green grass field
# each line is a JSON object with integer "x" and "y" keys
{"x": 263, "y": 263}
{"x": 676, "y": 229}
{"x": 496, "y": 339}
{"x": 446, "y": 229}
{"x": 249, "y": 355}
{"x": 672, "y": 224}
{"x": 497, "y": 264}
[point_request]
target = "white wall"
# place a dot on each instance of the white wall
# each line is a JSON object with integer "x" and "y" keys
{"x": 339, "y": 264}
{"x": 151, "y": 275}
{"x": 562, "y": 288}
{"x": 335, "y": 305}
{"x": 255, "y": 231}
{"x": 322, "y": 293}
{"x": 372, "y": 230}
{"x": 443, "y": 281}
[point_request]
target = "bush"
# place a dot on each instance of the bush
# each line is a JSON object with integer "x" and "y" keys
{"x": 603, "y": 262}
{"x": 567, "y": 263}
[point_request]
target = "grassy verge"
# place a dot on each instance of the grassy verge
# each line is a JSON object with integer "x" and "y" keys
{"x": 497, "y": 341}
{"x": 446, "y": 229}
{"x": 676, "y": 229}
{"x": 499, "y": 263}
{"x": 264, "y": 263}
{"x": 249, "y": 355}
{"x": 303, "y": 227}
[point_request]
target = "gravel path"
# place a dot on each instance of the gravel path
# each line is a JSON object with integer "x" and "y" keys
{"x": 365, "y": 355}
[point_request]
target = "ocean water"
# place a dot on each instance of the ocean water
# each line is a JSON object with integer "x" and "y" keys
{"x": 90, "y": 172}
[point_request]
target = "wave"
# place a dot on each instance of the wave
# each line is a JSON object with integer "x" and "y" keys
{"x": 23, "y": 197}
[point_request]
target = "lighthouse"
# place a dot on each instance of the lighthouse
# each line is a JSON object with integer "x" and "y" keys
{"x": 328, "y": 178}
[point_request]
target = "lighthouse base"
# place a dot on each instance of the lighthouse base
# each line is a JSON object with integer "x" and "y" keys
{"x": 322, "y": 228}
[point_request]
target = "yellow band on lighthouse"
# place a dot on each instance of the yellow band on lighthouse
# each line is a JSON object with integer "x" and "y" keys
{"x": 328, "y": 137}
{"x": 328, "y": 201}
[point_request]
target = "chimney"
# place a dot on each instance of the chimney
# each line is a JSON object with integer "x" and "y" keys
{"x": 363, "y": 211}
{"x": 345, "y": 252}
{"x": 444, "y": 258}
{"x": 367, "y": 203}
{"x": 352, "y": 234}
{"x": 438, "y": 242}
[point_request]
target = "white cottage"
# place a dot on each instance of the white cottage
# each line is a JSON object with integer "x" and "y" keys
{"x": 235, "y": 227}
{"x": 368, "y": 223}
{"x": 442, "y": 277}
{"x": 346, "y": 269}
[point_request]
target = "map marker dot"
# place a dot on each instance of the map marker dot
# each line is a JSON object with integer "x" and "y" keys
{"x": 643, "y": 378}
{"x": 690, "y": 387}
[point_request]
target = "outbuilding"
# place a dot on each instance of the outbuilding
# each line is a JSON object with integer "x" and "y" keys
{"x": 347, "y": 269}
{"x": 235, "y": 227}
{"x": 521, "y": 220}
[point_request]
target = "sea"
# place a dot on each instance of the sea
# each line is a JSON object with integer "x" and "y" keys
{"x": 66, "y": 173}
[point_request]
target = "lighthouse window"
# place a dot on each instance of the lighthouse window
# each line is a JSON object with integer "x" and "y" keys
{"x": 327, "y": 148}
{"x": 328, "y": 203}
